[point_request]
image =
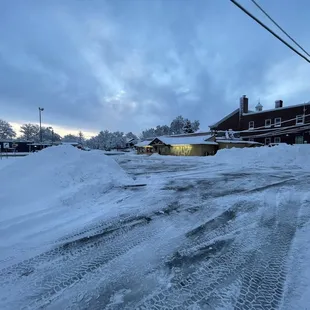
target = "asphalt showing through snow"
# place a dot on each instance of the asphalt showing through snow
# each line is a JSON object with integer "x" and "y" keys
{"x": 197, "y": 237}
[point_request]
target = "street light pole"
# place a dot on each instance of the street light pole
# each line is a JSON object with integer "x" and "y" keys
{"x": 40, "y": 117}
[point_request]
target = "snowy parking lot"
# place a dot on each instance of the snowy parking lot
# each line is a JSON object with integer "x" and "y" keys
{"x": 79, "y": 231}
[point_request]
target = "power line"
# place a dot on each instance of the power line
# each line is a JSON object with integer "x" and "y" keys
{"x": 269, "y": 30}
{"x": 280, "y": 27}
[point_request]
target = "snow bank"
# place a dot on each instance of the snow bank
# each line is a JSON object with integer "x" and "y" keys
{"x": 57, "y": 176}
{"x": 280, "y": 155}
{"x": 5, "y": 161}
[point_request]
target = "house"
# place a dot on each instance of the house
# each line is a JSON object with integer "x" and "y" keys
{"x": 193, "y": 144}
{"x": 281, "y": 124}
{"x": 130, "y": 143}
{"x": 144, "y": 147}
{"x": 185, "y": 145}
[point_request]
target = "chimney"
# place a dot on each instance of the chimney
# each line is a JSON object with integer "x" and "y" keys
{"x": 279, "y": 104}
{"x": 244, "y": 104}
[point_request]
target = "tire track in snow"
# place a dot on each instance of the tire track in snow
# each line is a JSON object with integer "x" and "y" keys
{"x": 53, "y": 278}
{"x": 258, "y": 274}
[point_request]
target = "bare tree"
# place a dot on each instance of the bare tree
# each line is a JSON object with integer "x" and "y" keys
{"x": 30, "y": 132}
{"x": 6, "y": 130}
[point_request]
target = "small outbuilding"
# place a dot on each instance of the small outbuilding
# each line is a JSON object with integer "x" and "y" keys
{"x": 14, "y": 146}
{"x": 185, "y": 145}
{"x": 144, "y": 147}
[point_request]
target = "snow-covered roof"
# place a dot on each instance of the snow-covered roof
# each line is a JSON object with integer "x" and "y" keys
{"x": 15, "y": 141}
{"x": 70, "y": 143}
{"x": 143, "y": 143}
{"x": 39, "y": 143}
{"x": 224, "y": 118}
{"x": 128, "y": 140}
{"x": 184, "y": 140}
{"x": 236, "y": 141}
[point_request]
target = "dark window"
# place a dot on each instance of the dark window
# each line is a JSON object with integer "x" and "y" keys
{"x": 268, "y": 123}
{"x": 267, "y": 141}
{"x": 299, "y": 119}
{"x": 299, "y": 140}
{"x": 277, "y": 140}
{"x": 277, "y": 121}
{"x": 251, "y": 125}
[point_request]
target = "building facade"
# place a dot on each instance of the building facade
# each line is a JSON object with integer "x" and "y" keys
{"x": 282, "y": 124}
{"x": 14, "y": 146}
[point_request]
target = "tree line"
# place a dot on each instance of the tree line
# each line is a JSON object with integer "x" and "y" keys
{"x": 105, "y": 140}
{"x": 178, "y": 126}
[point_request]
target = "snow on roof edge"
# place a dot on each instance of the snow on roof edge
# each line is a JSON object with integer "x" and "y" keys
{"x": 224, "y": 118}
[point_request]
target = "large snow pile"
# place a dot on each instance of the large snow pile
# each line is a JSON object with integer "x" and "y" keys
{"x": 57, "y": 176}
{"x": 280, "y": 155}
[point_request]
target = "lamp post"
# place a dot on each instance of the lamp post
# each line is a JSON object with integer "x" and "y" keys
{"x": 40, "y": 111}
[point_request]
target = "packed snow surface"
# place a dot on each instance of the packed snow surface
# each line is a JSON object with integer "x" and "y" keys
{"x": 79, "y": 230}
{"x": 51, "y": 192}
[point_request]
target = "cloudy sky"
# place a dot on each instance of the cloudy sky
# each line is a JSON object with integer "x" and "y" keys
{"x": 132, "y": 64}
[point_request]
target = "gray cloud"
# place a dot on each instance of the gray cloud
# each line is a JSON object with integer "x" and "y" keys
{"x": 133, "y": 64}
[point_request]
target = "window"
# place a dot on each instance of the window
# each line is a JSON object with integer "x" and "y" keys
{"x": 299, "y": 140}
{"x": 251, "y": 125}
{"x": 267, "y": 141}
{"x": 299, "y": 119}
{"x": 277, "y": 122}
{"x": 268, "y": 122}
{"x": 277, "y": 140}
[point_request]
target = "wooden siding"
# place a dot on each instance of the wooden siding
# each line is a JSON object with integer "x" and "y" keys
{"x": 288, "y": 116}
{"x": 223, "y": 145}
{"x": 230, "y": 123}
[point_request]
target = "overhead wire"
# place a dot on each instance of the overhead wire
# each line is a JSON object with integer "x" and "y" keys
{"x": 269, "y": 30}
{"x": 275, "y": 23}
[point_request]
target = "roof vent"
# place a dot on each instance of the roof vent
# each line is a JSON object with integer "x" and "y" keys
{"x": 259, "y": 107}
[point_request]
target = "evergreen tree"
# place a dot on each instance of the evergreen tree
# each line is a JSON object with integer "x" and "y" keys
{"x": 187, "y": 128}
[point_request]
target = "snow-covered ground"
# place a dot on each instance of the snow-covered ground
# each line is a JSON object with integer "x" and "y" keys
{"x": 224, "y": 232}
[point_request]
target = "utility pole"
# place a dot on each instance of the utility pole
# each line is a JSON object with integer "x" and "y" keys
{"x": 40, "y": 118}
